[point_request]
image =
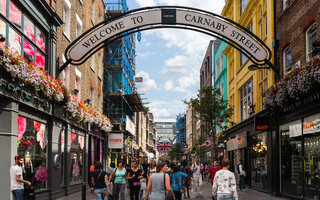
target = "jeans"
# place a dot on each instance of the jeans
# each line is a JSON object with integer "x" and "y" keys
{"x": 18, "y": 194}
{"x": 225, "y": 197}
{"x": 100, "y": 193}
{"x": 134, "y": 192}
{"x": 241, "y": 182}
{"x": 177, "y": 194}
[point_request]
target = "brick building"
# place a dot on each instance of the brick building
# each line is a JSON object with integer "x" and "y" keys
{"x": 296, "y": 28}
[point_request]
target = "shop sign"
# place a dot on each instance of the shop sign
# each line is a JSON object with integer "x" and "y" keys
{"x": 311, "y": 124}
{"x": 130, "y": 127}
{"x": 242, "y": 140}
{"x": 148, "y": 18}
{"x": 23, "y": 94}
{"x": 115, "y": 141}
{"x": 295, "y": 130}
{"x": 261, "y": 124}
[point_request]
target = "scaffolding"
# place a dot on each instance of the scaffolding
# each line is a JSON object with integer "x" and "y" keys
{"x": 121, "y": 98}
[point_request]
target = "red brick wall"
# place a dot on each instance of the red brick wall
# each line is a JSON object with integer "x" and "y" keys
{"x": 291, "y": 25}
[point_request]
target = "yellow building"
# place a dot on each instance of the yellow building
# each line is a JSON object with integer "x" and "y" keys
{"x": 245, "y": 88}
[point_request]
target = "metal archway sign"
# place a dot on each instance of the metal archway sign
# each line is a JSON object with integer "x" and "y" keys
{"x": 167, "y": 17}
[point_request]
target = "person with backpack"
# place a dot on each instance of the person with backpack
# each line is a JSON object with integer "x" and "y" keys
{"x": 119, "y": 182}
{"x": 99, "y": 181}
{"x": 176, "y": 182}
{"x": 197, "y": 169}
{"x": 134, "y": 176}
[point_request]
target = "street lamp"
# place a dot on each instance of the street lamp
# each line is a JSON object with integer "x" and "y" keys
{"x": 254, "y": 67}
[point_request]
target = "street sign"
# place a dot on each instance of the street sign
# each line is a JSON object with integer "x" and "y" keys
{"x": 185, "y": 146}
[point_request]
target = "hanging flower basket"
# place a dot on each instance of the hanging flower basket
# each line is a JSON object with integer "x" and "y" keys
{"x": 16, "y": 70}
{"x": 295, "y": 87}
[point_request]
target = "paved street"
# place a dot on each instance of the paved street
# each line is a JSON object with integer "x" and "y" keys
{"x": 247, "y": 195}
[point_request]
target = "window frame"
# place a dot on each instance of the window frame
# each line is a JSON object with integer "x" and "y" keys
{"x": 308, "y": 51}
{"x": 66, "y": 16}
{"x": 284, "y": 56}
{"x": 93, "y": 5}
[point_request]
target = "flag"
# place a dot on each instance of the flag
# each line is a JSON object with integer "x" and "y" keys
{"x": 164, "y": 146}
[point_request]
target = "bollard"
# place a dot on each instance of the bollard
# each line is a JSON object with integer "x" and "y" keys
{"x": 84, "y": 191}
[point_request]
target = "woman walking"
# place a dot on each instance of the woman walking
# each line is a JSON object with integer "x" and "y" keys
{"x": 153, "y": 168}
{"x": 134, "y": 176}
{"x": 99, "y": 181}
{"x": 159, "y": 183}
{"x": 120, "y": 179}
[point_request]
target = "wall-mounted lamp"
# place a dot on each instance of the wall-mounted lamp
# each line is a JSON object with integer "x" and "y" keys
{"x": 254, "y": 67}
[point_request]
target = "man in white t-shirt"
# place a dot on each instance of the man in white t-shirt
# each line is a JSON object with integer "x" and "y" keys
{"x": 17, "y": 187}
{"x": 196, "y": 170}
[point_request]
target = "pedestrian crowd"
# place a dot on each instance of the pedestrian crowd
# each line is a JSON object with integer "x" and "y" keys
{"x": 154, "y": 181}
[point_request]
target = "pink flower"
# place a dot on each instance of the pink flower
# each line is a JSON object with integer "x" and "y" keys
{"x": 22, "y": 123}
{"x": 207, "y": 143}
{"x": 41, "y": 174}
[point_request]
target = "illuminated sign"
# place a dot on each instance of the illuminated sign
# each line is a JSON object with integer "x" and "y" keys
{"x": 261, "y": 124}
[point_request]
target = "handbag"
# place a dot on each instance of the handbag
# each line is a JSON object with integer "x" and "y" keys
{"x": 143, "y": 185}
{"x": 94, "y": 184}
{"x": 114, "y": 176}
{"x": 136, "y": 184}
{"x": 167, "y": 196}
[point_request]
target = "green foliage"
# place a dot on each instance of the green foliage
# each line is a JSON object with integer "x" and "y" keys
{"x": 199, "y": 149}
{"x": 175, "y": 152}
{"x": 211, "y": 108}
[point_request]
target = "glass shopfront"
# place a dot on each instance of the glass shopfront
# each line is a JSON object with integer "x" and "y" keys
{"x": 300, "y": 157}
{"x": 258, "y": 161}
{"x": 32, "y": 143}
{"x": 76, "y": 157}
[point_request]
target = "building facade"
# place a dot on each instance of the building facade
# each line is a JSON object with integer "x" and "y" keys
{"x": 181, "y": 130}
{"x": 84, "y": 81}
{"x": 245, "y": 91}
{"x": 297, "y": 28}
{"x": 190, "y": 131}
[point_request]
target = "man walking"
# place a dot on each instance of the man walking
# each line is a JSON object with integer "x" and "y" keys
{"x": 242, "y": 174}
{"x": 224, "y": 183}
{"x": 196, "y": 170}
{"x": 17, "y": 187}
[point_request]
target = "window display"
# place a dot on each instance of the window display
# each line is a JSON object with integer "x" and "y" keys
{"x": 291, "y": 158}
{"x": 62, "y": 154}
{"x": 259, "y": 162}
{"x": 32, "y": 143}
{"x": 76, "y": 157}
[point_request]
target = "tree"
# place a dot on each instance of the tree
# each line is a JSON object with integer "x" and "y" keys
{"x": 200, "y": 149}
{"x": 175, "y": 152}
{"x": 211, "y": 108}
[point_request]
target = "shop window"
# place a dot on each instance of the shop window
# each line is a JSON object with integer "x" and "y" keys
{"x": 245, "y": 100}
{"x": 76, "y": 157}
{"x": 311, "y": 36}
{"x": 101, "y": 151}
{"x": 259, "y": 162}
{"x": 15, "y": 14}
{"x": 3, "y": 7}
{"x": 287, "y": 60}
{"x": 92, "y": 149}
{"x": 26, "y": 35}
{"x": 62, "y": 153}
{"x": 32, "y": 143}
{"x": 14, "y": 40}
{"x": 291, "y": 158}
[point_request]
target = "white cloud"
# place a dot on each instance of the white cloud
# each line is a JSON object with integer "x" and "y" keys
{"x": 168, "y": 85}
{"x": 147, "y": 84}
{"x": 166, "y": 110}
{"x": 144, "y": 3}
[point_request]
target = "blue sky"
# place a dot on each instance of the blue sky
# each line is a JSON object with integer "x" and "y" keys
{"x": 169, "y": 60}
